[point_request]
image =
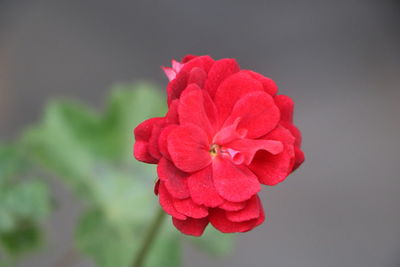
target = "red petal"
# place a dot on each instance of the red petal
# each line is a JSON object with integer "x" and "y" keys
{"x": 202, "y": 188}
{"x": 273, "y": 169}
{"x": 177, "y": 85}
{"x": 232, "y": 206}
{"x": 269, "y": 85}
{"x": 234, "y": 183}
{"x": 250, "y": 211}
{"x": 247, "y": 148}
{"x": 203, "y": 62}
{"x": 172, "y": 115}
{"x": 153, "y": 142}
{"x": 174, "y": 179}
{"x": 192, "y": 109}
{"x": 232, "y": 89}
{"x": 299, "y": 158}
{"x": 189, "y": 148}
{"x": 166, "y": 202}
{"x": 285, "y": 105}
{"x": 190, "y": 209}
{"x": 163, "y": 140}
{"x": 188, "y": 57}
{"x": 142, "y": 135}
{"x": 258, "y": 113}
{"x": 197, "y": 76}
{"x": 218, "y": 219}
{"x": 191, "y": 226}
{"x": 219, "y": 71}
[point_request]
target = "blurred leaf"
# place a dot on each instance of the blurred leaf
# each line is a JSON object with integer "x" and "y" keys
{"x": 214, "y": 242}
{"x": 24, "y": 202}
{"x": 23, "y": 238}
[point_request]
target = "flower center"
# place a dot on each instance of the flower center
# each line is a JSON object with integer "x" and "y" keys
{"x": 214, "y": 150}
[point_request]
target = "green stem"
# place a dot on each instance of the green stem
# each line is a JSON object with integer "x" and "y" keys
{"x": 149, "y": 239}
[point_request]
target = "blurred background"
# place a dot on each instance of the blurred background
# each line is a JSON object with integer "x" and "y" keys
{"x": 339, "y": 61}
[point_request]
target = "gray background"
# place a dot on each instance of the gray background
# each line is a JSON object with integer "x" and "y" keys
{"x": 339, "y": 60}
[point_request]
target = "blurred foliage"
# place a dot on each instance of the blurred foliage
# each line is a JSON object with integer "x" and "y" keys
{"x": 24, "y": 204}
{"x": 91, "y": 152}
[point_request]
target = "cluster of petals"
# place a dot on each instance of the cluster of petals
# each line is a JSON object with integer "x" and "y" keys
{"x": 226, "y": 132}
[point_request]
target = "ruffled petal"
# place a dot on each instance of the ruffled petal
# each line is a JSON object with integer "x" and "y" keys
{"x": 197, "y": 76}
{"x": 167, "y": 202}
{"x": 163, "y": 140}
{"x": 202, "y": 189}
{"x": 232, "y": 89}
{"x": 249, "y": 212}
{"x": 247, "y": 148}
{"x": 191, "y": 226}
{"x": 174, "y": 179}
{"x": 258, "y": 113}
{"x": 285, "y": 105}
{"x": 219, "y": 71}
{"x": 232, "y": 206}
{"x": 269, "y": 85}
{"x": 177, "y": 85}
{"x": 188, "y": 147}
{"x": 234, "y": 183}
{"x": 273, "y": 169}
{"x": 190, "y": 209}
{"x": 143, "y": 134}
{"x": 219, "y": 220}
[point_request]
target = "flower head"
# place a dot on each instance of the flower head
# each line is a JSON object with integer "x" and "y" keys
{"x": 225, "y": 133}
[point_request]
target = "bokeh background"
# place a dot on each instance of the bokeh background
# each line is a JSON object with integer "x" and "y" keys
{"x": 339, "y": 60}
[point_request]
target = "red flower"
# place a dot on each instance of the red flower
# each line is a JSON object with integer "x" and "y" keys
{"x": 226, "y": 132}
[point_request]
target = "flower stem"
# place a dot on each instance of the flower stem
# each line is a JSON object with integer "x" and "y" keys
{"x": 149, "y": 239}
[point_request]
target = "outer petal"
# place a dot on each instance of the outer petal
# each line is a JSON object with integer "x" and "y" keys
{"x": 142, "y": 135}
{"x": 273, "y": 169}
{"x": 197, "y": 76}
{"x": 258, "y": 113}
{"x": 189, "y": 148}
{"x": 219, "y": 71}
{"x": 232, "y": 206}
{"x": 232, "y": 89}
{"x": 167, "y": 202}
{"x": 249, "y": 212}
{"x": 203, "y": 62}
{"x": 174, "y": 179}
{"x": 285, "y": 105}
{"x": 269, "y": 85}
{"x": 191, "y": 226}
{"x": 234, "y": 183}
{"x": 177, "y": 85}
{"x": 218, "y": 219}
{"x": 190, "y": 209}
{"x": 163, "y": 140}
{"x": 202, "y": 189}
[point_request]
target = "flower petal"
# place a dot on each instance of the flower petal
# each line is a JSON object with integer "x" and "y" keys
{"x": 232, "y": 206}
{"x": 232, "y": 89}
{"x": 258, "y": 113}
{"x": 202, "y": 189}
{"x": 143, "y": 134}
{"x": 163, "y": 140}
{"x": 249, "y": 212}
{"x": 269, "y": 85}
{"x": 191, "y": 226}
{"x": 197, "y": 76}
{"x": 192, "y": 109}
{"x": 285, "y": 105}
{"x": 174, "y": 179}
{"x": 247, "y": 148}
{"x": 219, "y": 220}
{"x": 219, "y": 71}
{"x": 234, "y": 183}
{"x": 177, "y": 85}
{"x": 167, "y": 202}
{"x": 189, "y": 148}
{"x": 190, "y": 209}
{"x": 273, "y": 169}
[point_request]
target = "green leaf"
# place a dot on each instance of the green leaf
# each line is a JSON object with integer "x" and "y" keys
{"x": 23, "y": 238}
